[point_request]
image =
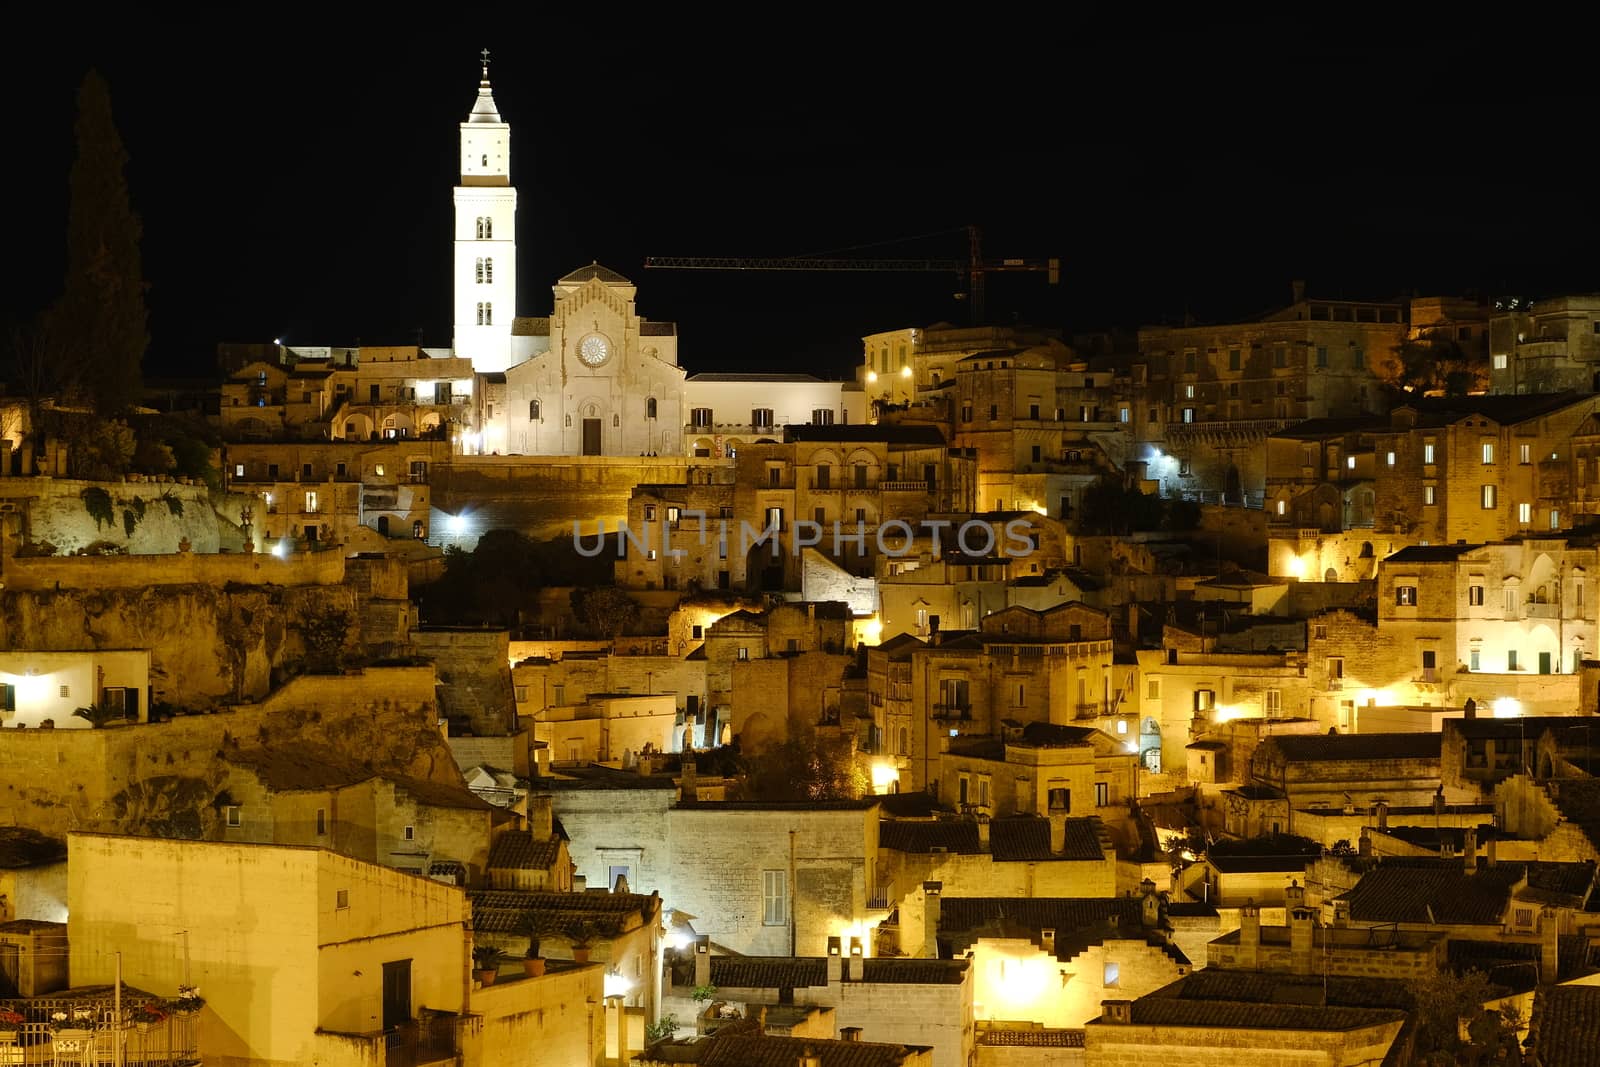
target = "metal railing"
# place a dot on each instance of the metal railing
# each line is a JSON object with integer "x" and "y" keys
{"x": 952, "y": 711}
{"x": 422, "y": 1041}
{"x": 89, "y": 1035}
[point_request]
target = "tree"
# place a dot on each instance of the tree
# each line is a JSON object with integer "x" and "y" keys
{"x": 606, "y": 610}
{"x": 325, "y": 634}
{"x": 1434, "y": 362}
{"x": 100, "y": 323}
{"x": 1444, "y": 1001}
{"x": 802, "y": 770}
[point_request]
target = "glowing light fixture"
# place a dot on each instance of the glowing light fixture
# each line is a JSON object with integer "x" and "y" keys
{"x": 281, "y": 549}
{"x": 905, "y": 372}
{"x": 456, "y": 524}
{"x": 617, "y": 985}
{"x": 872, "y": 375}
{"x": 1507, "y": 708}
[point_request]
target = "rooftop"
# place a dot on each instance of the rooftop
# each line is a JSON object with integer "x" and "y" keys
{"x": 1017, "y": 838}
{"x": 514, "y": 911}
{"x": 517, "y": 850}
{"x": 1320, "y": 748}
{"x": 747, "y": 1049}
{"x": 1446, "y": 893}
{"x": 1565, "y": 1028}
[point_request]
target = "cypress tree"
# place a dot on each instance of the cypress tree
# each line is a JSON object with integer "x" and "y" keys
{"x": 101, "y": 317}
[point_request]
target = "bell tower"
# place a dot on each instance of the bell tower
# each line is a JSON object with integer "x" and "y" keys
{"x": 485, "y": 236}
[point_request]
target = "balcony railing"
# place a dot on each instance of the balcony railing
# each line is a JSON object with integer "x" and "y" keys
{"x": 1542, "y": 611}
{"x": 906, "y": 487}
{"x": 422, "y": 1041}
{"x": 95, "y": 1037}
{"x": 1091, "y": 709}
{"x": 952, "y": 711}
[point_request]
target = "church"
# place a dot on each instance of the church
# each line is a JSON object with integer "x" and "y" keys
{"x": 593, "y": 378}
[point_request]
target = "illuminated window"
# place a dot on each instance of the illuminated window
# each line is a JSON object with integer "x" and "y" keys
{"x": 1500, "y": 361}
{"x": 1283, "y": 506}
{"x": 1405, "y": 596}
{"x": 1555, "y": 519}
{"x": 1112, "y": 975}
{"x": 1427, "y": 452}
{"x": 1124, "y": 413}
{"x": 1388, "y": 459}
{"x": 311, "y": 503}
{"x": 1488, "y": 451}
{"x": 1475, "y": 595}
{"x": 1350, "y": 463}
{"x": 1188, "y": 392}
{"x": 1524, "y": 513}
{"x": 1488, "y": 497}
{"x": 1427, "y": 495}
{"x": 378, "y": 470}
{"x": 1188, "y": 414}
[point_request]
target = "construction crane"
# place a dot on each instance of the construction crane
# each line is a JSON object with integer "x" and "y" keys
{"x": 972, "y": 270}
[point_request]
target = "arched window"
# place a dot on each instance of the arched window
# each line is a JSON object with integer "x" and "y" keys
{"x": 533, "y": 411}
{"x": 486, "y": 314}
{"x": 485, "y": 160}
{"x": 488, "y": 270}
{"x": 485, "y": 228}
{"x": 650, "y": 407}
{"x": 480, "y": 270}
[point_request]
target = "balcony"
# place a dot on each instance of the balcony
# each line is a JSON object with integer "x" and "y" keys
{"x": 1092, "y": 709}
{"x": 906, "y": 487}
{"x": 1542, "y": 611}
{"x": 952, "y": 711}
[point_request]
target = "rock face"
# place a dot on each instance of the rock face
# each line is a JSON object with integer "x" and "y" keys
{"x": 168, "y": 779}
{"x": 135, "y": 517}
{"x": 208, "y": 645}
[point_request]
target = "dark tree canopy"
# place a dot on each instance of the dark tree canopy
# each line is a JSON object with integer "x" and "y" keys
{"x": 100, "y": 324}
{"x": 1109, "y": 507}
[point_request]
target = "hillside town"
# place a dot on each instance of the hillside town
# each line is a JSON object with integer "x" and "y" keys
{"x": 1217, "y": 693}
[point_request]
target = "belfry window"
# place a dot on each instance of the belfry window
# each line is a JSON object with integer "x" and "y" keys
{"x": 533, "y": 411}
{"x": 650, "y": 407}
{"x": 485, "y": 228}
{"x": 485, "y": 314}
{"x": 485, "y": 270}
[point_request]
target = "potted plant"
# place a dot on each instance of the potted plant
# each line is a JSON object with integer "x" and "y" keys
{"x": 189, "y": 1000}
{"x": 583, "y": 939}
{"x": 486, "y": 961}
{"x": 532, "y": 962}
{"x": 10, "y": 1026}
{"x": 148, "y": 1014}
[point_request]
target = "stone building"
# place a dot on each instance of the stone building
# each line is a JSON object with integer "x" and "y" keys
{"x": 1307, "y": 946}
{"x": 1020, "y": 856}
{"x": 1315, "y": 770}
{"x": 1183, "y": 695}
{"x": 1545, "y": 346}
{"x": 1037, "y": 768}
{"x": 1207, "y": 397}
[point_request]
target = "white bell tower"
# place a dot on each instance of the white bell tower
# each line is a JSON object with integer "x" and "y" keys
{"x": 486, "y": 236}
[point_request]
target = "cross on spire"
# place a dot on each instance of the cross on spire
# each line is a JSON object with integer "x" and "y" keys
{"x": 485, "y": 54}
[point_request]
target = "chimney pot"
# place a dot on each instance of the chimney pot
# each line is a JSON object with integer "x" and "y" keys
{"x": 850, "y": 1033}
{"x": 1117, "y": 1011}
{"x": 1047, "y": 940}
{"x": 858, "y": 967}
{"x": 835, "y": 961}
{"x": 702, "y": 962}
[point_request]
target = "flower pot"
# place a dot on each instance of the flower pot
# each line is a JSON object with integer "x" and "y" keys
{"x": 487, "y": 977}
{"x": 581, "y": 954}
{"x": 534, "y": 966}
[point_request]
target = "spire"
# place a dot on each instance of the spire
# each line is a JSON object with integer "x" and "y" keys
{"x": 484, "y": 110}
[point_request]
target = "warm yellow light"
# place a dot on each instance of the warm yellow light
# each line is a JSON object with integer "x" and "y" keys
{"x": 884, "y": 775}
{"x": 1296, "y": 568}
{"x": 859, "y": 931}
{"x": 1227, "y": 713}
{"x": 869, "y": 631}
{"x": 872, "y": 375}
{"x": 905, "y": 372}
{"x": 617, "y": 985}
{"x": 1376, "y": 697}
{"x": 1507, "y": 708}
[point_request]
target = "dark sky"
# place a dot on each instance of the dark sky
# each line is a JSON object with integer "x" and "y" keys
{"x": 295, "y": 181}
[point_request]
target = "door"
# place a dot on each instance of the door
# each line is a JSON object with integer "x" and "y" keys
{"x": 1544, "y": 663}
{"x": 591, "y": 437}
{"x": 396, "y": 994}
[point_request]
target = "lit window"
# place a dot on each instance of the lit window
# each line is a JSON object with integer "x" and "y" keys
{"x": 1427, "y": 452}
{"x": 238, "y": 470}
{"x": 1500, "y": 361}
{"x": 311, "y": 503}
{"x": 1427, "y": 495}
{"x": 1525, "y": 454}
{"x": 1112, "y": 975}
{"x": 1188, "y": 392}
{"x": 1188, "y": 414}
{"x": 1555, "y": 519}
{"x": 1389, "y": 458}
{"x": 1524, "y": 513}
{"x": 1405, "y": 596}
{"x": 1124, "y": 414}
{"x": 1488, "y": 495}
{"x": 1488, "y": 451}
{"x": 1122, "y": 726}
{"x": 1283, "y": 506}
{"x": 378, "y": 470}
{"x": 1350, "y": 463}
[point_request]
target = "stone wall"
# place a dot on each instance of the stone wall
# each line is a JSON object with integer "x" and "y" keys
{"x": 167, "y": 779}
{"x": 541, "y": 496}
{"x": 146, "y": 517}
{"x": 177, "y": 568}
{"x": 474, "y": 677}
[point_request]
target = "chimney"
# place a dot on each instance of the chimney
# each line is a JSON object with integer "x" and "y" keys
{"x": 810, "y": 1059}
{"x": 541, "y": 760}
{"x": 1488, "y": 847}
{"x": 1549, "y": 955}
{"x": 1364, "y": 847}
{"x": 1249, "y": 936}
{"x": 1298, "y": 288}
{"x": 702, "y": 961}
{"x": 689, "y": 788}
{"x": 932, "y": 909}
{"x": 835, "y": 962}
{"x": 1058, "y": 832}
{"x": 983, "y": 832}
{"x": 1469, "y": 710}
{"x": 849, "y": 1033}
{"x": 1119, "y": 1012}
{"x": 1295, "y": 895}
{"x": 1047, "y": 940}
{"x": 1150, "y": 913}
{"x": 1383, "y": 815}
{"x": 1302, "y": 938}
{"x": 1469, "y": 850}
{"x": 858, "y": 962}
{"x": 580, "y": 883}
{"x": 541, "y": 816}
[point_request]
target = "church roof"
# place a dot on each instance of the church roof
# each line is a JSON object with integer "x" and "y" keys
{"x": 483, "y": 109}
{"x": 594, "y": 270}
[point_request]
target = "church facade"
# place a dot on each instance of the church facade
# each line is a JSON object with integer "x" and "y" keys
{"x": 593, "y": 378}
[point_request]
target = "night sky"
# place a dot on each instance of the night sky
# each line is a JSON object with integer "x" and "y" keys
{"x": 297, "y": 183}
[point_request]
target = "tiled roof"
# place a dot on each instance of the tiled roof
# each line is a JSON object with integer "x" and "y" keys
{"x": 311, "y": 770}
{"x": 1055, "y": 735}
{"x": 1213, "y": 984}
{"x": 1505, "y": 409}
{"x": 507, "y": 911}
{"x": 23, "y": 847}
{"x": 1246, "y": 863}
{"x": 749, "y": 1050}
{"x": 1077, "y": 921}
{"x": 895, "y": 971}
{"x": 1430, "y": 553}
{"x": 1228, "y": 1015}
{"x": 516, "y": 850}
{"x": 911, "y": 805}
{"x": 448, "y": 868}
{"x": 952, "y": 835}
{"x": 1434, "y": 894}
{"x": 1304, "y": 748}
{"x": 768, "y": 972}
{"x": 595, "y": 270}
{"x": 887, "y": 433}
{"x": 1040, "y": 1038}
{"x": 1566, "y": 1025}
{"x": 1027, "y": 839}
{"x": 1511, "y": 965}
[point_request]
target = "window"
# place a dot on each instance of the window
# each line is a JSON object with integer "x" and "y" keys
{"x": 1122, "y": 726}
{"x": 238, "y": 470}
{"x": 744, "y": 653}
{"x": 1112, "y": 976}
{"x": 231, "y": 815}
{"x": 1500, "y": 361}
{"x": 1427, "y": 496}
{"x": 761, "y": 418}
{"x": 311, "y": 502}
{"x": 1525, "y": 454}
{"x": 1233, "y": 359}
{"x": 1358, "y": 358}
{"x": 1488, "y": 497}
{"x": 1153, "y": 690}
{"x": 1472, "y": 660}
{"x": 1524, "y": 513}
{"x": 1350, "y": 463}
{"x": 994, "y": 412}
{"x": 1388, "y": 459}
{"x": 822, "y": 417}
{"x": 322, "y": 822}
{"x": 1577, "y": 594}
{"x": 8, "y": 697}
{"x": 1280, "y": 357}
{"x": 1060, "y": 799}
{"x": 1204, "y": 699}
{"x": 1322, "y": 356}
{"x": 1272, "y": 703}
{"x": 1188, "y": 392}
{"x": 1283, "y": 506}
{"x": 1405, "y": 595}
{"x": 774, "y": 898}
{"x": 341, "y": 899}
{"x": 1488, "y": 452}
{"x": 485, "y": 228}
{"x": 1427, "y": 453}
{"x": 1188, "y": 414}
{"x": 485, "y": 315}
{"x": 1475, "y": 595}
{"x": 1335, "y": 669}
{"x": 1124, "y": 413}
{"x": 1102, "y": 794}
{"x": 774, "y": 519}
{"x": 966, "y": 412}
{"x": 824, "y": 477}
{"x": 1511, "y": 660}
{"x": 1555, "y": 519}
{"x": 1511, "y": 602}
{"x": 410, "y": 833}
